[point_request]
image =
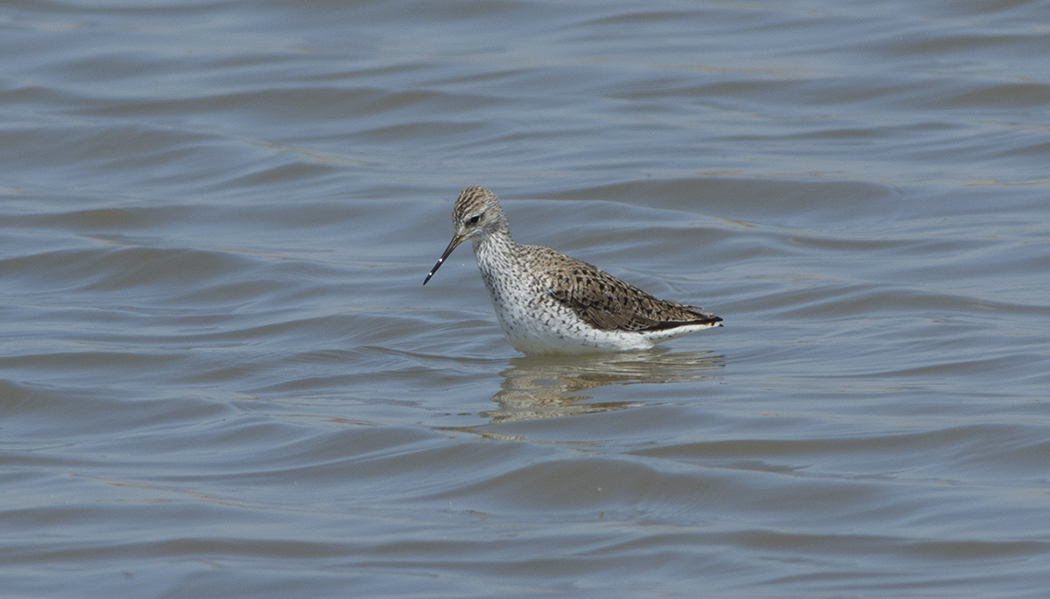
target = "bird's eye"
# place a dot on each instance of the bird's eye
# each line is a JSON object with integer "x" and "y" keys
{"x": 474, "y": 219}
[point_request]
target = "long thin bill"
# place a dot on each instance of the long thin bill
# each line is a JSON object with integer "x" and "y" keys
{"x": 451, "y": 246}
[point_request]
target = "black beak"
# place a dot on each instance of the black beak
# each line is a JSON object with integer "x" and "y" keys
{"x": 451, "y": 246}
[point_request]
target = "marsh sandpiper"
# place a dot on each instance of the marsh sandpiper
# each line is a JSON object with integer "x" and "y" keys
{"x": 547, "y": 302}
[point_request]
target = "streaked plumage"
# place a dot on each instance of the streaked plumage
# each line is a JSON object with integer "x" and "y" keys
{"x": 547, "y": 302}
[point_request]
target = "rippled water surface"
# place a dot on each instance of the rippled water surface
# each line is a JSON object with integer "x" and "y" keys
{"x": 220, "y": 375}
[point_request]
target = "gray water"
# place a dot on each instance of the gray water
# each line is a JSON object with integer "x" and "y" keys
{"x": 220, "y": 375}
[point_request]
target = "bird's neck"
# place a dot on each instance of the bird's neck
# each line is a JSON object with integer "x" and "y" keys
{"x": 496, "y": 252}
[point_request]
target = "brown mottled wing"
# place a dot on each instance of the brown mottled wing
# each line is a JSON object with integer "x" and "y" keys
{"x": 608, "y": 303}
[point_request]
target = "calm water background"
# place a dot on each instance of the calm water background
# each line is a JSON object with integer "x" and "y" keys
{"x": 220, "y": 375}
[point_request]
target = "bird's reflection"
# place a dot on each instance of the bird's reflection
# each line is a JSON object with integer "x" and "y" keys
{"x": 550, "y": 386}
